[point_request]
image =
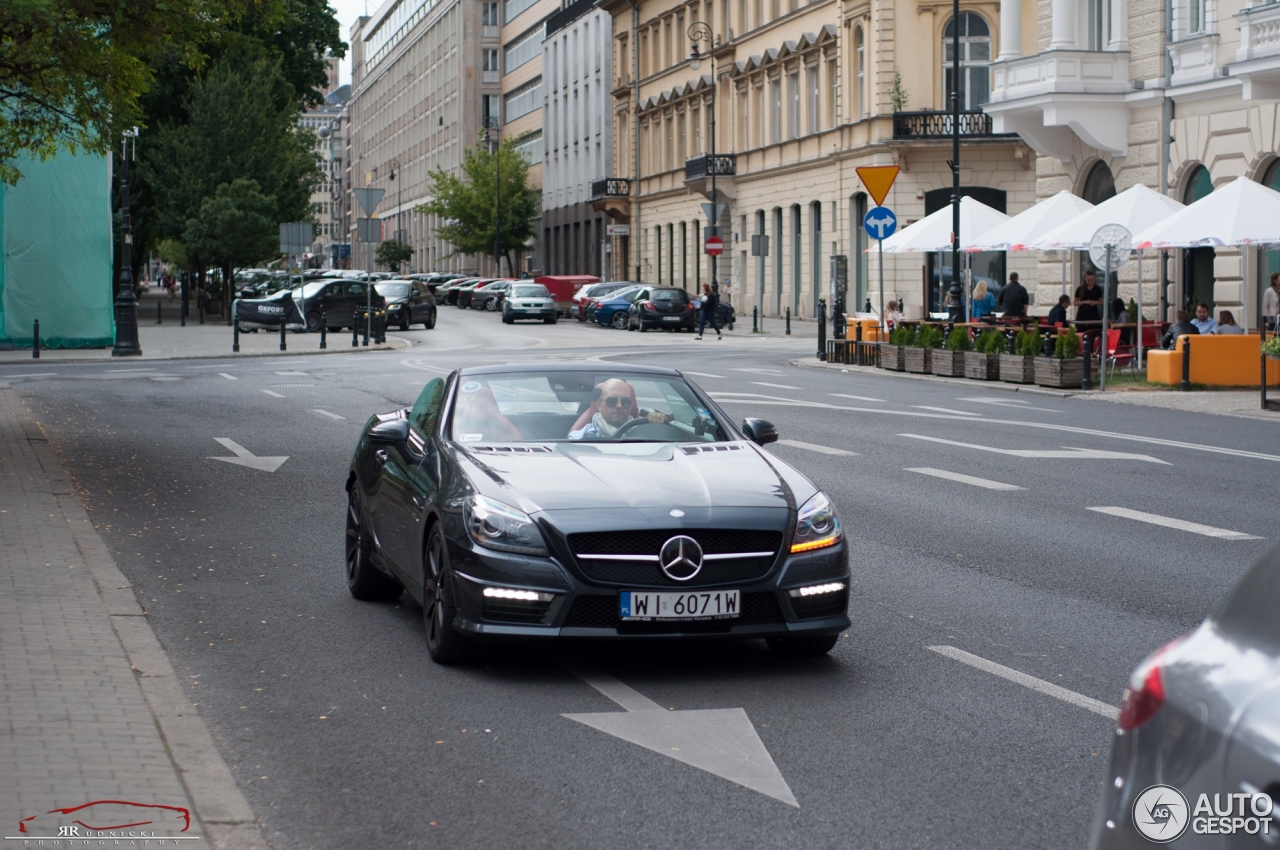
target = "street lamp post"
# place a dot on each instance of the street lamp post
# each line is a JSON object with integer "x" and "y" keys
{"x": 497, "y": 187}
{"x": 126, "y": 304}
{"x": 391, "y": 175}
{"x": 699, "y": 32}
{"x": 954, "y": 310}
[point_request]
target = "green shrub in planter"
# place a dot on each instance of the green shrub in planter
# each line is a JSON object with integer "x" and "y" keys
{"x": 991, "y": 341}
{"x": 900, "y": 336}
{"x": 927, "y": 336}
{"x": 1271, "y": 347}
{"x": 1027, "y": 343}
{"x": 1068, "y": 345}
{"x": 958, "y": 340}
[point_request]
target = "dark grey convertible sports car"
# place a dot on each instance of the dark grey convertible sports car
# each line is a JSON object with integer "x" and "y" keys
{"x": 600, "y": 501}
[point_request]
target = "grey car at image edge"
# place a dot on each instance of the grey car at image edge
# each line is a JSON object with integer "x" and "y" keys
{"x": 1195, "y": 760}
{"x": 557, "y": 501}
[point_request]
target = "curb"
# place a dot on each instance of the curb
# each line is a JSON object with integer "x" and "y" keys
{"x": 228, "y": 820}
{"x": 230, "y": 355}
{"x": 815, "y": 363}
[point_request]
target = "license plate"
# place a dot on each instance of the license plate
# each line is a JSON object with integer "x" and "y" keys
{"x": 670, "y": 318}
{"x": 708, "y": 605}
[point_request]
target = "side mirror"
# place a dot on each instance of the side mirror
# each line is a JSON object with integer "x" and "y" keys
{"x": 392, "y": 431}
{"x": 760, "y": 431}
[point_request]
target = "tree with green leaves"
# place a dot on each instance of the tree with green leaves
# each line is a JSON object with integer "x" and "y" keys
{"x": 235, "y": 227}
{"x": 490, "y": 202}
{"x": 393, "y": 254}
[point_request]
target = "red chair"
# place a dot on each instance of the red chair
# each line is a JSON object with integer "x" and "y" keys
{"x": 1117, "y": 353}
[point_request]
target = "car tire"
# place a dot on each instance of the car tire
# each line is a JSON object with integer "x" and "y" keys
{"x": 491, "y": 305}
{"x": 619, "y": 321}
{"x": 445, "y": 644}
{"x": 550, "y": 320}
{"x": 313, "y": 322}
{"x": 806, "y": 647}
{"x": 404, "y": 322}
{"x": 640, "y": 325}
{"x": 507, "y": 319}
{"x": 364, "y": 580}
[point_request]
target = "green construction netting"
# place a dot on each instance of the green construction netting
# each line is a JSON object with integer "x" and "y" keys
{"x": 55, "y": 266}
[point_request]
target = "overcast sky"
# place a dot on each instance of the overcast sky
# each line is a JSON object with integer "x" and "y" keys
{"x": 347, "y": 12}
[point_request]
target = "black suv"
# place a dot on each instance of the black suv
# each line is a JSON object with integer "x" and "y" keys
{"x": 409, "y": 302}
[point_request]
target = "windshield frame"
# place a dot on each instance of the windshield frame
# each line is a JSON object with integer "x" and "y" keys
{"x": 406, "y": 286}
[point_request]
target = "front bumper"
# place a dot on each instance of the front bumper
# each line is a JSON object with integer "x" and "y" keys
{"x": 579, "y": 608}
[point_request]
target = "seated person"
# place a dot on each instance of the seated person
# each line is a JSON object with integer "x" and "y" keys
{"x": 613, "y": 410}
{"x": 1204, "y": 323}
{"x": 1120, "y": 316}
{"x": 1183, "y": 325}
{"x": 1058, "y": 315}
{"x": 892, "y": 314}
{"x": 477, "y": 417}
{"x": 1227, "y": 324}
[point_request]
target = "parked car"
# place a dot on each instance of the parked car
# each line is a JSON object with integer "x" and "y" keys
{"x": 661, "y": 307}
{"x": 336, "y": 300}
{"x": 529, "y": 301}
{"x": 725, "y": 313}
{"x": 490, "y": 296}
{"x": 604, "y": 310}
{"x": 447, "y": 293}
{"x": 1199, "y": 721}
{"x": 409, "y": 302}
{"x": 465, "y": 291}
{"x": 578, "y": 307}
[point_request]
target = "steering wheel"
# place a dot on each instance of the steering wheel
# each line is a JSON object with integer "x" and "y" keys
{"x": 630, "y": 425}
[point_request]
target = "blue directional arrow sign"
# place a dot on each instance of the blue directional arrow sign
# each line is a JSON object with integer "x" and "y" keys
{"x": 880, "y": 222}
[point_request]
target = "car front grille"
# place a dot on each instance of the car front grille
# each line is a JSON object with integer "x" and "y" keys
{"x": 601, "y": 612}
{"x": 509, "y": 611}
{"x": 824, "y": 605}
{"x": 645, "y": 545}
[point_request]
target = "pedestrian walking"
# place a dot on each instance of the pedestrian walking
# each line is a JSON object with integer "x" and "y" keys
{"x": 710, "y": 310}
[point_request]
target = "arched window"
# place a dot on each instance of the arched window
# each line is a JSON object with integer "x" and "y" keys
{"x": 860, "y": 84}
{"x": 975, "y": 56}
{"x": 1199, "y": 185}
{"x": 1099, "y": 185}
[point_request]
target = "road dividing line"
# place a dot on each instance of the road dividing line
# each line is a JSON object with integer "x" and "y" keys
{"x": 945, "y": 410}
{"x": 1016, "y": 405}
{"x": 701, "y": 374}
{"x": 327, "y": 413}
{"x": 1065, "y": 452}
{"x": 148, "y": 369}
{"x": 304, "y": 374}
{"x": 759, "y": 371}
{"x": 856, "y": 397}
{"x": 813, "y": 447}
{"x": 1180, "y": 524}
{"x": 775, "y": 386}
{"x": 273, "y": 394}
{"x": 228, "y": 377}
{"x": 963, "y": 479}
{"x": 1047, "y": 688}
{"x": 30, "y": 375}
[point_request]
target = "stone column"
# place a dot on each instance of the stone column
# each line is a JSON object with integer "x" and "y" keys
{"x": 1010, "y": 29}
{"x": 1064, "y": 25}
{"x": 1119, "y": 26}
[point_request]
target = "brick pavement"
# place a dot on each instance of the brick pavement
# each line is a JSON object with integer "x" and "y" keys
{"x": 90, "y": 707}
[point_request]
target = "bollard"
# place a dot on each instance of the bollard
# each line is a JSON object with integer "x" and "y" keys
{"x": 235, "y": 326}
{"x": 822, "y": 329}
{"x": 1186, "y": 364}
{"x": 200, "y": 309}
{"x": 35, "y": 341}
{"x": 355, "y": 329}
{"x": 788, "y": 321}
{"x": 367, "y": 323}
{"x": 158, "y": 317}
{"x": 755, "y": 319}
{"x": 1087, "y": 382}
{"x": 284, "y": 320}
{"x": 324, "y": 330}
{"x": 857, "y": 345}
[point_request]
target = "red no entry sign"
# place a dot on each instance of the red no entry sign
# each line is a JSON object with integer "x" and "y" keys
{"x": 714, "y": 246}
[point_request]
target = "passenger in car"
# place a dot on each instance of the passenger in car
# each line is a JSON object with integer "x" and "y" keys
{"x": 477, "y": 417}
{"x": 615, "y": 407}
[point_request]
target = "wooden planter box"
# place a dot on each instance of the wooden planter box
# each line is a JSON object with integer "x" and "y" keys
{"x": 1063, "y": 374}
{"x": 949, "y": 364}
{"x": 1017, "y": 369}
{"x": 981, "y": 367}
{"x": 893, "y": 357}
{"x": 917, "y": 359}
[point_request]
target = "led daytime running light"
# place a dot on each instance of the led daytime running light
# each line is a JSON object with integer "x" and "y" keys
{"x": 817, "y": 589}
{"x": 519, "y": 595}
{"x": 810, "y": 545}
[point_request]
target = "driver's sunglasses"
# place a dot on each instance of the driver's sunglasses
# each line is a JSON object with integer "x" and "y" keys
{"x": 614, "y": 401}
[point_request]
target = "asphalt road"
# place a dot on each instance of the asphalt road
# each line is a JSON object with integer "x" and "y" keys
{"x": 342, "y": 733}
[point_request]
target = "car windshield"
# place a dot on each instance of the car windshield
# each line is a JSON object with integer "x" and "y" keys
{"x": 581, "y": 406}
{"x": 392, "y": 290}
{"x": 624, "y": 293}
{"x": 668, "y": 295}
{"x": 309, "y": 290}
{"x": 538, "y": 291}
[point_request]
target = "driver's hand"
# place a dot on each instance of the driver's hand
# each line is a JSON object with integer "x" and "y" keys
{"x": 657, "y": 417}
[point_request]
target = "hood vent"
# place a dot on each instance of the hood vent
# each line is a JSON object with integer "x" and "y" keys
{"x": 510, "y": 449}
{"x": 719, "y": 447}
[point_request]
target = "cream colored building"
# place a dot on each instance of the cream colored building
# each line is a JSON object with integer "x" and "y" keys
{"x": 802, "y": 94}
{"x": 1180, "y": 96}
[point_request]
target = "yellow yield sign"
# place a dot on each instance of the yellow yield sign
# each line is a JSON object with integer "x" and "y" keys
{"x": 878, "y": 179}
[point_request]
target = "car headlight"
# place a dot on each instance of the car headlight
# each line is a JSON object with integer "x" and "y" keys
{"x": 393, "y": 307}
{"x": 817, "y": 525}
{"x": 497, "y": 526}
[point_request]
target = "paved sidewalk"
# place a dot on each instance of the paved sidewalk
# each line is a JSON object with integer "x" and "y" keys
{"x": 90, "y": 708}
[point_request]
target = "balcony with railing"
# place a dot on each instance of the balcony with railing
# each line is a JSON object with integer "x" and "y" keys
{"x": 1257, "y": 62}
{"x": 721, "y": 165}
{"x": 936, "y": 124}
{"x": 611, "y": 187}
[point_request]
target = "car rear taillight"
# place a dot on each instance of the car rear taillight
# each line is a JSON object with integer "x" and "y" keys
{"x": 1145, "y": 694}
{"x": 648, "y": 305}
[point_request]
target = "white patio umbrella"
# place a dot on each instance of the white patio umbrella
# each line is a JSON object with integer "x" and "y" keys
{"x": 1241, "y": 213}
{"x": 1136, "y": 208}
{"x": 1026, "y": 227}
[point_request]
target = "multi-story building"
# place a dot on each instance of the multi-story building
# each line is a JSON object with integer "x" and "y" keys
{"x": 327, "y": 195}
{"x": 801, "y": 95}
{"x": 1180, "y": 96}
{"x": 419, "y": 99}
{"x": 578, "y": 135}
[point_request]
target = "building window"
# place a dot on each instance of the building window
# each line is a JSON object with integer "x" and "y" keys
{"x": 775, "y": 110}
{"x": 489, "y": 110}
{"x": 975, "y": 56}
{"x": 514, "y": 7}
{"x": 812, "y": 72}
{"x": 833, "y": 80}
{"x": 523, "y": 100}
{"x": 860, "y": 84}
{"x": 1195, "y": 16}
{"x": 491, "y": 59}
{"x": 530, "y": 146}
{"x": 793, "y": 97}
{"x": 525, "y": 47}
{"x": 489, "y": 15}
{"x": 1098, "y": 23}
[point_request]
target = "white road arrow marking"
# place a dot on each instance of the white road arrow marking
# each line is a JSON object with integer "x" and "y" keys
{"x": 244, "y": 457}
{"x": 1180, "y": 524}
{"x": 1064, "y": 452}
{"x": 963, "y": 479}
{"x": 720, "y": 741}
{"x": 814, "y": 447}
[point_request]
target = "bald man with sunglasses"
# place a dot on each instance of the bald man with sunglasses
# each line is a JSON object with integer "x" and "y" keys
{"x": 614, "y": 411}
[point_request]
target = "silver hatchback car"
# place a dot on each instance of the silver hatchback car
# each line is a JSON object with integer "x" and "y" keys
{"x": 528, "y": 301}
{"x": 1196, "y": 759}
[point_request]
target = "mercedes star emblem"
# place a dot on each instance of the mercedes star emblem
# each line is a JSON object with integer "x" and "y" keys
{"x": 680, "y": 558}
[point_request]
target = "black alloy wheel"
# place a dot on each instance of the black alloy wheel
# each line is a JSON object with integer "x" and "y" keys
{"x": 619, "y": 320}
{"x": 404, "y": 317}
{"x": 491, "y": 305}
{"x": 313, "y": 322}
{"x": 445, "y": 644}
{"x": 507, "y": 318}
{"x": 364, "y": 580}
{"x": 804, "y": 647}
{"x": 431, "y": 319}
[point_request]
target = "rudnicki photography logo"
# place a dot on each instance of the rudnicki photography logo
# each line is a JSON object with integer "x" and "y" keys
{"x": 1161, "y": 814}
{"x": 124, "y": 823}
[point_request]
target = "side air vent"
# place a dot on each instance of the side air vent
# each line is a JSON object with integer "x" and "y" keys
{"x": 510, "y": 449}
{"x": 719, "y": 447}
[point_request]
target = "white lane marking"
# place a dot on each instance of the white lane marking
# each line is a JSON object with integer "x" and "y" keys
{"x": 210, "y": 366}
{"x": 814, "y": 447}
{"x": 856, "y": 397}
{"x": 1016, "y": 405}
{"x": 327, "y": 413}
{"x": 964, "y": 479}
{"x": 30, "y": 375}
{"x": 273, "y": 394}
{"x": 149, "y": 369}
{"x": 1047, "y": 688}
{"x": 775, "y": 386}
{"x": 759, "y": 371}
{"x": 228, "y": 377}
{"x": 304, "y": 374}
{"x": 1064, "y": 452}
{"x": 945, "y": 410}
{"x": 702, "y": 374}
{"x": 413, "y": 363}
{"x": 1180, "y": 524}
{"x": 720, "y": 741}
{"x": 164, "y": 377}
{"x": 244, "y": 457}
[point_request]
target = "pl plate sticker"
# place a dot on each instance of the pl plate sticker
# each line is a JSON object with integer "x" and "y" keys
{"x": 470, "y": 386}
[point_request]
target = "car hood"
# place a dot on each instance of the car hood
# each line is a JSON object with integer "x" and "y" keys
{"x": 565, "y": 476}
